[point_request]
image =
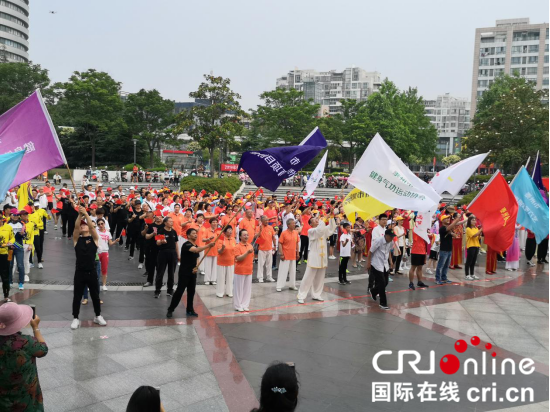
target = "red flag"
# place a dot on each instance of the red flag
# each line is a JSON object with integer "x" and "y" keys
{"x": 123, "y": 233}
{"x": 435, "y": 160}
{"x": 496, "y": 208}
{"x": 159, "y": 237}
{"x": 149, "y": 221}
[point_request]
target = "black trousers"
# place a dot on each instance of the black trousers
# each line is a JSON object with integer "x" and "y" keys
{"x": 471, "y": 257}
{"x": 381, "y": 281}
{"x": 397, "y": 259}
{"x": 42, "y": 231}
{"x": 166, "y": 258}
{"x": 70, "y": 228}
{"x": 132, "y": 240}
{"x": 81, "y": 280}
{"x": 64, "y": 221}
{"x": 141, "y": 243}
{"x": 185, "y": 280}
{"x": 5, "y": 274}
{"x": 530, "y": 248}
{"x": 304, "y": 245}
{"x": 342, "y": 269}
{"x": 151, "y": 261}
{"x": 38, "y": 247}
{"x": 542, "y": 250}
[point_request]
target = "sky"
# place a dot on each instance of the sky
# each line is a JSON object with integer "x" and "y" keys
{"x": 169, "y": 44}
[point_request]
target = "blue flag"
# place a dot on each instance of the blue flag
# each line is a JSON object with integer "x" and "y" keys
{"x": 537, "y": 178}
{"x": 269, "y": 167}
{"x": 9, "y": 165}
{"x": 532, "y": 209}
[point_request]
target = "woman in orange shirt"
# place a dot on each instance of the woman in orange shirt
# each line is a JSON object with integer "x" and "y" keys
{"x": 211, "y": 259}
{"x": 226, "y": 263}
{"x": 244, "y": 258}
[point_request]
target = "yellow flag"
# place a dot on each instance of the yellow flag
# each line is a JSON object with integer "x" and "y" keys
{"x": 23, "y": 195}
{"x": 364, "y": 205}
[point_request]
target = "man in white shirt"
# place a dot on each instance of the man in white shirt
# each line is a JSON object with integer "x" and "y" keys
{"x": 377, "y": 233}
{"x": 345, "y": 254}
{"x": 287, "y": 214}
{"x": 378, "y": 264}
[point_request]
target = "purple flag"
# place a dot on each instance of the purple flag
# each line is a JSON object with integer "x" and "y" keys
{"x": 28, "y": 126}
{"x": 269, "y": 167}
{"x": 537, "y": 178}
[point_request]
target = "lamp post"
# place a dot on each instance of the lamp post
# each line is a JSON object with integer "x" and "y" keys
{"x": 135, "y": 144}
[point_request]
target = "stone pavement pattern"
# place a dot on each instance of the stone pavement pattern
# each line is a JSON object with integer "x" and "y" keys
{"x": 215, "y": 362}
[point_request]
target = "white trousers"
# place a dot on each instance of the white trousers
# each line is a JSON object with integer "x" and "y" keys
{"x": 243, "y": 291}
{"x": 286, "y": 267}
{"x": 202, "y": 266}
{"x": 211, "y": 268}
{"x": 314, "y": 279}
{"x": 265, "y": 261}
{"x": 27, "y": 249}
{"x": 522, "y": 238}
{"x": 225, "y": 281}
{"x": 181, "y": 241}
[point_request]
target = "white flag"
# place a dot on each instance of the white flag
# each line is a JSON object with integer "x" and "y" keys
{"x": 381, "y": 174}
{"x": 316, "y": 176}
{"x": 423, "y": 222}
{"x": 453, "y": 178}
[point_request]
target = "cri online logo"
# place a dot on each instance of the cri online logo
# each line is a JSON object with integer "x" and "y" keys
{"x": 450, "y": 364}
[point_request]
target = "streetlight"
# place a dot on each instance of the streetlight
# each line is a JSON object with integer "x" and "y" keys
{"x": 135, "y": 143}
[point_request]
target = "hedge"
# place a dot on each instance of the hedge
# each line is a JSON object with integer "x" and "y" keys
{"x": 211, "y": 185}
{"x": 466, "y": 199}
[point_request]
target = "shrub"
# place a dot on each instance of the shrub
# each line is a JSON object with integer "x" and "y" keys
{"x": 466, "y": 199}
{"x": 211, "y": 185}
{"x": 130, "y": 166}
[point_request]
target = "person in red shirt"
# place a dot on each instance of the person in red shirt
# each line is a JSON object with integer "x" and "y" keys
{"x": 304, "y": 239}
{"x": 249, "y": 224}
{"x": 244, "y": 261}
{"x": 288, "y": 250}
{"x": 266, "y": 241}
{"x": 418, "y": 259}
{"x": 226, "y": 263}
{"x": 271, "y": 213}
{"x": 211, "y": 259}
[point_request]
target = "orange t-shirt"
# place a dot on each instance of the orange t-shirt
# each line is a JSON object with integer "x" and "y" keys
{"x": 178, "y": 219}
{"x": 266, "y": 234}
{"x": 245, "y": 266}
{"x": 305, "y": 224}
{"x": 250, "y": 227}
{"x": 189, "y": 225}
{"x": 271, "y": 215}
{"x": 289, "y": 241}
{"x": 201, "y": 234}
{"x": 225, "y": 221}
{"x": 227, "y": 257}
{"x": 48, "y": 192}
{"x": 213, "y": 250}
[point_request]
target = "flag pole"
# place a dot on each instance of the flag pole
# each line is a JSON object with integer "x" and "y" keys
{"x": 527, "y": 163}
{"x": 482, "y": 190}
{"x": 534, "y": 167}
{"x": 228, "y": 223}
{"x": 71, "y": 177}
{"x": 516, "y": 175}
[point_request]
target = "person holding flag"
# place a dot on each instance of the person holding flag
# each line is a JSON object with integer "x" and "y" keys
{"x": 446, "y": 236}
{"x": 226, "y": 262}
{"x": 267, "y": 244}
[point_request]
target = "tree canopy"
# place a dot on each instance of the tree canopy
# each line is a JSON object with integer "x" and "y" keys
{"x": 511, "y": 121}
{"x": 18, "y": 81}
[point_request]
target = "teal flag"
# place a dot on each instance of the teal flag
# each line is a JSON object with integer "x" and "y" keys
{"x": 532, "y": 209}
{"x": 9, "y": 165}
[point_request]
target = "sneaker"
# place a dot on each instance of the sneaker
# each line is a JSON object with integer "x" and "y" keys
{"x": 219, "y": 296}
{"x": 271, "y": 280}
{"x": 299, "y": 262}
{"x": 305, "y": 261}
{"x": 239, "y": 310}
{"x": 332, "y": 257}
{"x": 105, "y": 288}
{"x": 341, "y": 283}
{"x": 293, "y": 288}
{"x": 140, "y": 266}
{"x": 319, "y": 299}
{"x": 169, "y": 314}
{"x": 45, "y": 232}
{"x": 429, "y": 271}
{"x": 260, "y": 281}
{"x": 126, "y": 247}
{"x": 229, "y": 296}
{"x": 84, "y": 301}
{"x": 347, "y": 271}
{"x": 147, "y": 284}
{"x": 384, "y": 307}
{"x": 411, "y": 286}
{"x": 207, "y": 283}
{"x": 40, "y": 266}
{"x": 301, "y": 301}
{"x": 213, "y": 283}
{"x": 100, "y": 321}
{"x": 75, "y": 324}
{"x": 6, "y": 299}
{"x": 438, "y": 282}
{"x": 531, "y": 263}
{"x": 372, "y": 294}
{"x": 246, "y": 310}
{"x": 469, "y": 278}
{"x": 192, "y": 313}
{"x": 422, "y": 285}
{"x": 130, "y": 258}
{"x": 475, "y": 277}
{"x": 20, "y": 286}
{"x": 31, "y": 265}
{"x": 170, "y": 293}
{"x": 203, "y": 273}
{"x": 55, "y": 227}
{"x": 157, "y": 295}
{"x": 390, "y": 279}
{"x": 27, "y": 279}
{"x": 347, "y": 282}
{"x": 279, "y": 290}
{"x": 448, "y": 281}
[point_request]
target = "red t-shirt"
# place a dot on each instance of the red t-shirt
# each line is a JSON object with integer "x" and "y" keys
{"x": 419, "y": 245}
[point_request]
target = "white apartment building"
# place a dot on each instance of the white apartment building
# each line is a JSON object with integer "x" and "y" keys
{"x": 14, "y": 30}
{"x": 328, "y": 88}
{"x": 512, "y": 46}
{"x": 451, "y": 117}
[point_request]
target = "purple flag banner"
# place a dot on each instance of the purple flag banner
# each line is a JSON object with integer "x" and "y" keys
{"x": 269, "y": 167}
{"x": 537, "y": 178}
{"x": 28, "y": 126}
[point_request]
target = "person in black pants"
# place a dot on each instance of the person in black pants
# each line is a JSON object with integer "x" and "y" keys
{"x": 530, "y": 247}
{"x": 542, "y": 250}
{"x": 379, "y": 264}
{"x": 168, "y": 256}
{"x": 4, "y": 262}
{"x": 187, "y": 276}
{"x": 151, "y": 250}
{"x": 86, "y": 240}
{"x": 120, "y": 212}
{"x": 133, "y": 231}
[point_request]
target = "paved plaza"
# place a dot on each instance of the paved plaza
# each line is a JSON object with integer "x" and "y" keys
{"x": 215, "y": 362}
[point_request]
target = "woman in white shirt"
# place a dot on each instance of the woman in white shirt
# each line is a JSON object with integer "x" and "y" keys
{"x": 399, "y": 232}
{"x": 105, "y": 240}
{"x": 345, "y": 253}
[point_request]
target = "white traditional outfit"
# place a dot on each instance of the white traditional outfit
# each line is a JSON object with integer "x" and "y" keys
{"x": 317, "y": 260}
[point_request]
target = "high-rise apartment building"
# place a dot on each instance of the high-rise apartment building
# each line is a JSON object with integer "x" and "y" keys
{"x": 328, "y": 88}
{"x": 451, "y": 117}
{"x": 512, "y": 46}
{"x": 14, "y": 30}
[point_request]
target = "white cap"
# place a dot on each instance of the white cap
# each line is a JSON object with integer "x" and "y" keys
{"x": 132, "y": 188}
{"x": 101, "y": 184}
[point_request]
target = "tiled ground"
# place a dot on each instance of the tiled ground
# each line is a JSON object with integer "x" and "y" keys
{"x": 215, "y": 363}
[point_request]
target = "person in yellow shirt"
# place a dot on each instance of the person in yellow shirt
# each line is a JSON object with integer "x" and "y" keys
{"x": 29, "y": 232}
{"x": 38, "y": 217}
{"x": 472, "y": 246}
{"x": 6, "y": 239}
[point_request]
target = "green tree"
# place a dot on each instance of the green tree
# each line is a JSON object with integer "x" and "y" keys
{"x": 90, "y": 103}
{"x": 450, "y": 160}
{"x": 149, "y": 117}
{"x": 285, "y": 118}
{"x": 511, "y": 121}
{"x": 18, "y": 81}
{"x": 216, "y": 124}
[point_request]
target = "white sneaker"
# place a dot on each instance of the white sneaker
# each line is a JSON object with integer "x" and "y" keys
{"x": 475, "y": 277}
{"x": 31, "y": 265}
{"x": 332, "y": 257}
{"x": 271, "y": 280}
{"x": 429, "y": 271}
{"x": 105, "y": 288}
{"x": 239, "y": 310}
{"x": 179, "y": 263}
{"x": 246, "y": 310}
{"x": 469, "y": 278}
{"x": 75, "y": 324}
{"x": 390, "y": 279}
{"x": 229, "y": 296}
{"x": 482, "y": 251}
{"x": 40, "y": 266}
{"x": 319, "y": 299}
{"x": 130, "y": 258}
{"x": 140, "y": 266}
{"x": 55, "y": 227}
{"x": 300, "y": 301}
{"x": 293, "y": 288}
{"x": 279, "y": 290}
{"x": 100, "y": 321}
{"x": 510, "y": 270}
{"x": 219, "y": 296}
{"x": 260, "y": 281}
{"x": 531, "y": 263}
{"x": 27, "y": 278}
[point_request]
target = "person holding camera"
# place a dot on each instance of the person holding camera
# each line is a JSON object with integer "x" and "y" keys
{"x": 19, "y": 384}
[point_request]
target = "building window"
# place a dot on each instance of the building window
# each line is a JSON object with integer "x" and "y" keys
{"x": 545, "y": 70}
{"x": 498, "y": 72}
{"x": 531, "y": 70}
{"x": 500, "y": 50}
{"x": 15, "y": 7}
{"x": 546, "y": 47}
{"x": 14, "y": 19}
{"x": 545, "y": 81}
{"x": 526, "y": 35}
{"x": 534, "y": 48}
{"x": 546, "y": 59}
{"x": 533, "y": 59}
{"x": 516, "y": 49}
{"x": 13, "y": 31}
{"x": 484, "y": 62}
{"x": 516, "y": 60}
{"x": 14, "y": 44}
